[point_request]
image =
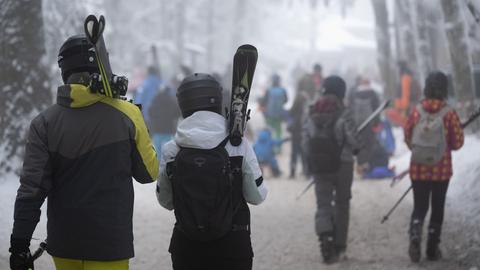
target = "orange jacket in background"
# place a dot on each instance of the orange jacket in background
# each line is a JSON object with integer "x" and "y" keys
{"x": 403, "y": 102}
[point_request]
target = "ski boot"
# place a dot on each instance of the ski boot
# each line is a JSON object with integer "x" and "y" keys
{"x": 433, "y": 251}
{"x": 327, "y": 247}
{"x": 414, "y": 249}
{"x": 341, "y": 253}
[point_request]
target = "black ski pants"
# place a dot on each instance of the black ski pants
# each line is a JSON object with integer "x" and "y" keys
{"x": 426, "y": 193}
{"x": 180, "y": 262}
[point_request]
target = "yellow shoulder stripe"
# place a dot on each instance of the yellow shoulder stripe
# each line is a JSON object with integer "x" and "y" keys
{"x": 142, "y": 138}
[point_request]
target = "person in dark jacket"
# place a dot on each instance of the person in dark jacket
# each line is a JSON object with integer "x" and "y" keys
{"x": 204, "y": 128}
{"x": 364, "y": 101}
{"x": 332, "y": 219}
{"x": 82, "y": 153}
{"x": 294, "y": 126}
{"x": 430, "y": 181}
{"x": 164, "y": 115}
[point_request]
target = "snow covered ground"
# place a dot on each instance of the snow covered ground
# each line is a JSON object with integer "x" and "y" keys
{"x": 283, "y": 231}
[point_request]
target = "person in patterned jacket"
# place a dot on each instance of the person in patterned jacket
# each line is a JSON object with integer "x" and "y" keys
{"x": 432, "y": 181}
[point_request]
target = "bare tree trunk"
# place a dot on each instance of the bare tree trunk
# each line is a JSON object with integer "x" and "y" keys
{"x": 23, "y": 74}
{"x": 180, "y": 33}
{"x": 383, "y": 47}
{"x": 474, "y": 29}
{"x": 463, "y": 83}
{"x": 313, "y": 25}
{"x": 55, "y": 35}
{"x": 210, "y": 34}
{"x": 407, "y": 37}
{"x": 424, "y": 50}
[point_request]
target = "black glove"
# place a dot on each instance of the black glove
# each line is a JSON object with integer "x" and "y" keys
{"x": 21, "y": 261}
{"x": 20, "y": 257}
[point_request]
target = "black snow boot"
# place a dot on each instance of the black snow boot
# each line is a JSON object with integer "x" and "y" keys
{"x": 327, "y": 247}
{"x": 433, "y": 251}
{"x": 414, "y": 249}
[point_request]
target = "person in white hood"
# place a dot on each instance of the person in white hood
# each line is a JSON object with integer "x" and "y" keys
{"x": 203, "y": 127}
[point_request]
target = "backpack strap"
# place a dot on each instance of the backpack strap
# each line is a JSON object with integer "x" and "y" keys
{"x": 443, "y": 111}
{"x": 224, "y": 142}
{"x": 420, "y": 110}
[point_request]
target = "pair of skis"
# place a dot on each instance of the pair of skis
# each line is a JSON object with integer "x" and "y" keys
{"x": 360, "y": 128}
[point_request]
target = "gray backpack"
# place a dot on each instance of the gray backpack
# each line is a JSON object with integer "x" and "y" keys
{"x": 428, "y": 140}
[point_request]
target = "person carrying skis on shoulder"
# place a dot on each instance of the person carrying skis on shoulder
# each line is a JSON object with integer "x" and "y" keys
{"x": 208, "y": 183}
{"x": 330, "y": 141}
{"x": 82, "y": 153}
{"x": 432, "y": 131}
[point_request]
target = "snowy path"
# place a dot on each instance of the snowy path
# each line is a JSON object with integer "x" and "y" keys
{"x": 283, "y": 232}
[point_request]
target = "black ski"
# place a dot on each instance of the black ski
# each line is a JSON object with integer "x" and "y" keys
{"x": 94, "y": 31}
{"x": 244, "y": 63}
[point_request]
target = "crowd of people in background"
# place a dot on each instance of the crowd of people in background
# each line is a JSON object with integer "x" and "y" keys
{"x": 322, "y": 114}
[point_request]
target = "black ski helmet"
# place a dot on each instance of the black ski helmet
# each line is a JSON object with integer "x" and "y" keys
{"x": 199, "y": 92}
{"x": 77, "y": 55}
{"x": 334, "y": 85}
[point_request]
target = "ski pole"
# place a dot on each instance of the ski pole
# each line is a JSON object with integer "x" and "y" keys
{"x": 305, "y": 189}
{"x": 40, "y": 250}
{"x": 398, "y": 177}
{"x": 360, "y": 128}
{"x": 385, "y": 218}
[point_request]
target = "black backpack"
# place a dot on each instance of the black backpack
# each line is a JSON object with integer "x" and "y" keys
{"x": 323, "y": 152}
{"x": 202, "y": 183}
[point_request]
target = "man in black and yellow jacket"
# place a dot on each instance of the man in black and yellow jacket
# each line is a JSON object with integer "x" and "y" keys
{"x": 82, "y": 153}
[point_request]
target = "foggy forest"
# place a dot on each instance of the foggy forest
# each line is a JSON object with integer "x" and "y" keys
{"x": 388, "y": 47}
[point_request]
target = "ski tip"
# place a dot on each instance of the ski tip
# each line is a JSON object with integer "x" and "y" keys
{"x": 248, "y": 47}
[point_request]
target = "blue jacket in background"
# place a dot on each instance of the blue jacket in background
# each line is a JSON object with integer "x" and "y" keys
{"x": 265, "y": 146}
{"x": 385, "y": 137}
{"x": 275, "y": 98}
{"x": 145, "y": 94}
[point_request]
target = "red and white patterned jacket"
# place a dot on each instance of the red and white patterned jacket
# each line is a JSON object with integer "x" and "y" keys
{"x": 454, "y": 137}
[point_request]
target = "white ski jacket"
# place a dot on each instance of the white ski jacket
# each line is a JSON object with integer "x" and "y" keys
{"x": 206, "y": 130}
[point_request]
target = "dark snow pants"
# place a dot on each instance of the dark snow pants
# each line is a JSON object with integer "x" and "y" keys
{"x": 426, "y": 193}
{"x": 296, "y": 154}
{"x": 180, "y": 262}
{"x": 333, "y": 192}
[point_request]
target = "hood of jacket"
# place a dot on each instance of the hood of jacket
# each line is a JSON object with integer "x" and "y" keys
{"x": 432, "y": 105}
{"x": 201, "y": 130}
{"x": 326, "y": 110}
{"x": 77, "y": 96}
